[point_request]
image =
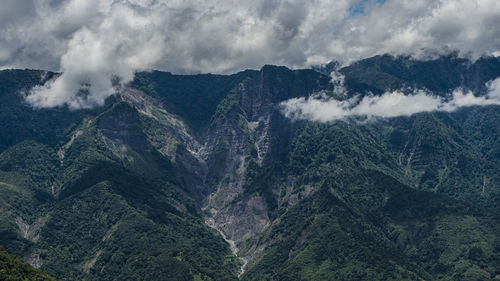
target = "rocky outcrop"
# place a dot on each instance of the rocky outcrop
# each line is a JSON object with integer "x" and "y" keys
{"x": 87, "y": 266}
{"x": 122, "y": 125}
{"x": 33, "y": 259}
{"x": 243, "y": 220}
{"x": 30, "y": 232}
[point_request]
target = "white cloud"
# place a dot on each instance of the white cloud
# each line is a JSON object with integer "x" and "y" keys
{"x": 93, "y": 40}
{"x": 391, "y": 104}
{"x": 123, "y": 42}
{"x": 412, "y": 27}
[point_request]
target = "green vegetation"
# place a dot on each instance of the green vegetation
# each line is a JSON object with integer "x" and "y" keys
{"x": 388, "y": 73}
{"x": 99, "y": 202}
{"x": 14, "y": 269}
{"x": 192, "y": 97}
{"x": 359, "y": 186}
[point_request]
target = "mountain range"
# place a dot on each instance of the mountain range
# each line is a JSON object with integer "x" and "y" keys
{"x": 203, "y": 177}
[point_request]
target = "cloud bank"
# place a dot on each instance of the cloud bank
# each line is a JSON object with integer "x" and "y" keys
{"x": 96, "y": 41}
{"x": 391, "y": 104}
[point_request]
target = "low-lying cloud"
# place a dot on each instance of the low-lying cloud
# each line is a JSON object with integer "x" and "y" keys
{"x": 93, "y": 42}
{"x": 321, "y": 108}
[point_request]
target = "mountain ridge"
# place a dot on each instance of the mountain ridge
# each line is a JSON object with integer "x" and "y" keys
{"x": 172, "y": 153}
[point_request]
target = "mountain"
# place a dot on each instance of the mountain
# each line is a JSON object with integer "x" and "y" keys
{"x": 385, "y": 73}
{"x": 201, "y": 177}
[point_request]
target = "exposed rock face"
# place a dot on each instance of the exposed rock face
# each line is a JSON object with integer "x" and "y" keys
{"x": 34, "y": 259}
{"x": 122, "y": 125}
{"x": 89, "y": 264}
{"x": 243, "y": 219}
{"x": 213, "y": 162}
{"x": 30, "y": 232}
{"x": 242, "y": 135}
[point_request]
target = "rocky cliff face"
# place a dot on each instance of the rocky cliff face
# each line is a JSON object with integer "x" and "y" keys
{"x": 214, "y": 161}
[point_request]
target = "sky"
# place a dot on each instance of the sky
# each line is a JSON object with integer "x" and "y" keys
{"x": 98, "y": 44}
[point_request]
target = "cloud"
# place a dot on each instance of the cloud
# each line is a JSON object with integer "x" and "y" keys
{"x": 415, "y": 27}
{"x": 322, "y": 108}
{"x": 92, "y": 41}
{"x": 98, "y": 58}
{"x": 98, "y": 41}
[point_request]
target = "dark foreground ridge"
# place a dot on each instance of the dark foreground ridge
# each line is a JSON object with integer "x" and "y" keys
{"x": 14, "y": 269}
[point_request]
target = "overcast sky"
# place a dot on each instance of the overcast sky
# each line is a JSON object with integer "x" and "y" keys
{"x": 94, "y": 40}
